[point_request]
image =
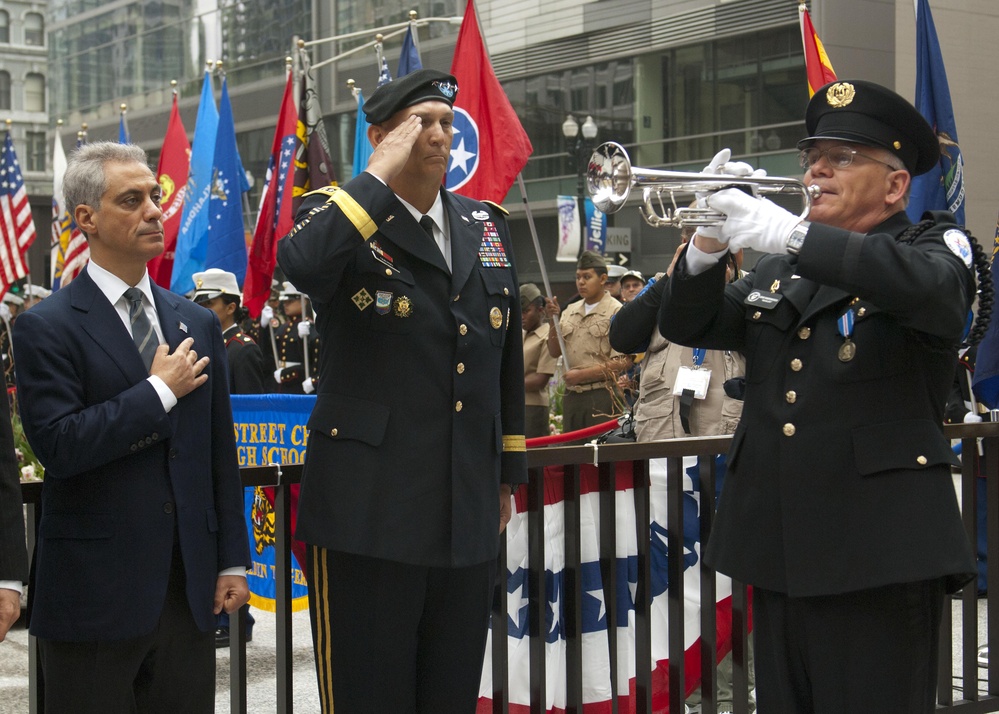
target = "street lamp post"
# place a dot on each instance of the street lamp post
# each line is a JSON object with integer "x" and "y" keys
{"x": 579, "y": 145}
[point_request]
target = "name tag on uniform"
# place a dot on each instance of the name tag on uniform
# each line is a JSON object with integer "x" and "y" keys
{"x": 696, "y": 380}
{"x": 762, "y": 300}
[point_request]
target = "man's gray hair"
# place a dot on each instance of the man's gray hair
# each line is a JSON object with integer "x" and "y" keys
{"x": 84, "y": 181}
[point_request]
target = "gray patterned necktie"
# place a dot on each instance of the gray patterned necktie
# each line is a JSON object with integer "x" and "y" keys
{"x": 142, "y": 329}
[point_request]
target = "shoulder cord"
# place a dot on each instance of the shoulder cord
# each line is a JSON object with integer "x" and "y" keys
{"x": 983, "y": 268}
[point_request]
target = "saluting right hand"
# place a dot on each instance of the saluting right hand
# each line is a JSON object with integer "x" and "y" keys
{"x": 180, "y": 371}
{"x": 392, "y": 152}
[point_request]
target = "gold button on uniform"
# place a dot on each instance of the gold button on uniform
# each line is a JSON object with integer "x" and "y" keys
{"x": 461, "y": 368}
{"x": 388, "y": 272}
{"x": 791, "y": 396}
{"x": 804, "y": 333}
{"x": 506, "y": 291}
{"x": 457, "y": 406}
{"x": 757, "y": 315}
{"x": 796, "y": 364}
{"x": 333, "y": 431}
{"x": 463, "y": 330}
{"x": 789, "y": 430}
{"x": 861, "y": 312}
{"x": 921, "y": 460}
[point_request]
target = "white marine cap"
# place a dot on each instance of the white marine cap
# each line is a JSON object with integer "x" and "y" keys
{"x": 214, "y": 282}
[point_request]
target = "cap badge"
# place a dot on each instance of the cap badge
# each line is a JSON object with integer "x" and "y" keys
{"x": 840, "y": 94}
{"x": 496, "y": 318}
{"x": 199, "y": 282}
{"x": 448, "y": 89}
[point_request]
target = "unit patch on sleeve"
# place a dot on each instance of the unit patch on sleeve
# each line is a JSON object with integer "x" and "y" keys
{"x": 959, "y": 245}
{"x": 491, "y": 251}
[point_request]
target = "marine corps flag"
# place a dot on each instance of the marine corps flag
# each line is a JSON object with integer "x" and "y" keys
{"x": 817, "y": 65}
{"x": 490, "y": 146}
{"x": 171, "y": 172}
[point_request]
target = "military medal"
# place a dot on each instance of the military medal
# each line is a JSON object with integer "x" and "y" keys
{"x": 844, "y": 325}
{"x": 495, "y": 318}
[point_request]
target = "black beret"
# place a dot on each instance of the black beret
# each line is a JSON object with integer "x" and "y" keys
{"x": 866, "y": 113}
{"x": 413, "y": 88}
{"x": 591, "y": 259}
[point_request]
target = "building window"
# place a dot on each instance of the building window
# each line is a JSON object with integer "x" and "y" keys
{"x": 5, "y": 90}
{"x": 4, "y": 27}
{"x": 34, "y": 93}
{"x": 35, "y": 159}
{"x": 34, "y": 29}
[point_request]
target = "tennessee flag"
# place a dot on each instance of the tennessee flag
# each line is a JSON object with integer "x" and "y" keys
{"x": 276, "y": 217}
{"x": 817, "y": 65}
{"x": 171, "y": 172}
{"x": 490, "y": 146}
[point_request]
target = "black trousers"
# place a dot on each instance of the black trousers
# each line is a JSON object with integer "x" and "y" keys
{"x": 866, "y": 652}
{"x": 170, "y": 670}
{"x": 392, "y": 637}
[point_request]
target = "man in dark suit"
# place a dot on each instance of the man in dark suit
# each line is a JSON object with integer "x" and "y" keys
{"x": 417, "y": 437}
{"x": 142, "y": 537}
{"x": 838, "y": 505}
{"x": 13, "y": 552}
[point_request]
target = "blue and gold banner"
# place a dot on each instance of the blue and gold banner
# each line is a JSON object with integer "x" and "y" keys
{"x": 270, "y": 429}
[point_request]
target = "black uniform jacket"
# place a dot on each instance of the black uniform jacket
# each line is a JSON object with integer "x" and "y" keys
{"x": 839, "y": 474}
{"x": 420, "y": 409}
{"x": 246, "y": 363}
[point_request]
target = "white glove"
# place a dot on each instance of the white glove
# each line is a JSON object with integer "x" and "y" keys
{"x": 308, "y": 387}
{"x": 266, "y": 315}
{"x": 753, "y": 222}
{"x": 304, "y": 327}
{"x": 5, "y": 311}
{"x": 972, "y": 418}
{"x": 277, "y": 375}
{"x": 720, "y": 159}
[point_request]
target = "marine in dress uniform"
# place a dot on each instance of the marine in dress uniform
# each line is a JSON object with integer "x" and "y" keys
{"x": 417, "y": 436}
{"x": 295, "y": 343}
{"x": 218, "y": 291}
{"x": 838, "y": 506}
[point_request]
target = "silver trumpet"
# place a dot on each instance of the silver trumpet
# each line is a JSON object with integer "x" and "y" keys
{"x": 610, "y": 178}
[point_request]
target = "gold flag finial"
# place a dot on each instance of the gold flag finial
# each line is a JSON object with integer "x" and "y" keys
{"x": 123, "y": 107}
{"x": 412, "y": 15}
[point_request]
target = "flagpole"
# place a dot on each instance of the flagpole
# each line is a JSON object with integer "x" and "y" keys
{"x": 541, "y": 263}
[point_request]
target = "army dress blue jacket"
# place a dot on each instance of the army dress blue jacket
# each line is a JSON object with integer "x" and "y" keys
{"x": 420, "y": 401}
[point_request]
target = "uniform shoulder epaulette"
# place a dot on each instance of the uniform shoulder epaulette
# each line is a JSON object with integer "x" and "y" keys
{"x": 325, "y": 190}
{"x": 497, "y": 207}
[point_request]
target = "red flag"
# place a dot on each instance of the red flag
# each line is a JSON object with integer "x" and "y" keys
{"x": 171, "y": 172}
{"x": 17, "y": 228}
{"x": 276, "y": 218}
{"x": 490, "y": 146}
{"x": 817, "y": 65}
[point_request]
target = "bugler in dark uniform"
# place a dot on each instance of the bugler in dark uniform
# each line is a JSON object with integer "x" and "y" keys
{"x": 838, "y": 505}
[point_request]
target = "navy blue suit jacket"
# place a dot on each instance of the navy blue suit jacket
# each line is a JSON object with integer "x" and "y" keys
{"x": 123, "y": 478}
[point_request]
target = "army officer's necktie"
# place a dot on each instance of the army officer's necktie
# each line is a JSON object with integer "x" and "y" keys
{"x": 142, "y": 329}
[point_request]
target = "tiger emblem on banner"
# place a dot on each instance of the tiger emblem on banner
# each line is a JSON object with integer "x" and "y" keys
{"x": 263, "y": 517}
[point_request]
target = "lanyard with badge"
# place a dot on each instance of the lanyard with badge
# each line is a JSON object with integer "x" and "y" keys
{"x": 691, "y": 383}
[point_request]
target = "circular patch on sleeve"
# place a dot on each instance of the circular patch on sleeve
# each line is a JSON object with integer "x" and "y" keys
{"x": 959, "y": 245}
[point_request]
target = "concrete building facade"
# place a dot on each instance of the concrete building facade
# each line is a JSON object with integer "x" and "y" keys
{"x": 673, "y": 80}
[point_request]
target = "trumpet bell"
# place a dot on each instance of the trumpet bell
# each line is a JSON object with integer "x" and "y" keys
{"x": 610, "y": 178}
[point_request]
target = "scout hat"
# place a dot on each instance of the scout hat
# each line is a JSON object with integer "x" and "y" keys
{"x": 528, "y": 294}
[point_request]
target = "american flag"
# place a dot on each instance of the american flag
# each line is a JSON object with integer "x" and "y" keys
{"x": 17, "y": 229}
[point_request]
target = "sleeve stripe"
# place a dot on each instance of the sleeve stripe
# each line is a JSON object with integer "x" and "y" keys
{"x": 355, "y": 214}
{"x": 514, "y": 443}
